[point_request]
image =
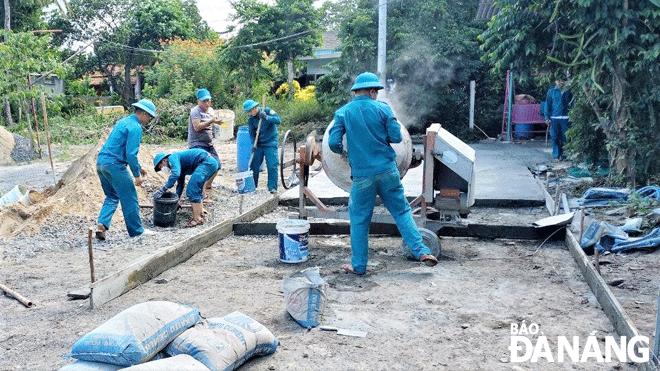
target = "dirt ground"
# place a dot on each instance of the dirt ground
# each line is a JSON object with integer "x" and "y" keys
{"x": 455, "y": 316}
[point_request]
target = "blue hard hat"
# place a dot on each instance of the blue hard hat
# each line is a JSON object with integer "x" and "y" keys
{"x": 203, "y": 94}
{"x": 366, "y": 80}
{"x": 159, "y": 157}
{"x": 249, "y": 104}
{"x": 147, "y": 106}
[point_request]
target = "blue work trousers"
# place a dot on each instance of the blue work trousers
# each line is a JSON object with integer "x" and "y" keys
{"x": 361, "y": 207}
{"x": 118, "y": 187}
{"x": 558, "y": 129}
{"x": 202, "y": 173}
{"x": 271, "y": 164}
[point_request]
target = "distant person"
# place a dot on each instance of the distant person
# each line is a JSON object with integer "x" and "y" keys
{"x": 558, "y": 102}
{"x": 200, "y": 128}
{"x": 266, "y": 143}
{"x": 370, "y": 127}
{"x": 119, "y": 151}
{"x": 197, "y": 163}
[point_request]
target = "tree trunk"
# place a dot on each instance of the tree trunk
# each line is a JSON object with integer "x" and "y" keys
{"x": 127, "y": 94}
{"x": 289, "y": 65}
{"x": 624, "y": 153}
{"x": 9, "y": 122}
{"x": 7, "y": 18}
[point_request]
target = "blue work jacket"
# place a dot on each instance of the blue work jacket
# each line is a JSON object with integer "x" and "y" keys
{"x": 268, "y": 131}
{"x": 558, "y": 103}
{"x": 184, "y": 163}
{"x": 123, "y": 145}
{"x": 370, "y": 127}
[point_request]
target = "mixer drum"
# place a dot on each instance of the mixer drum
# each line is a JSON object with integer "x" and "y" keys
{"x": 338, "y": 170}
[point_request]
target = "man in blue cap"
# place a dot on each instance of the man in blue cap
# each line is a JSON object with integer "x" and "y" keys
{"x": 197, "y": 163}
{"x": 200, "y": 128}
{"x": 370, "y": 127}
{"x": 119, "y": 151}
{"x": 266, "y": 143}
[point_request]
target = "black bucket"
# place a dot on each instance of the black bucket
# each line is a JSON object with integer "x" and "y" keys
{"x": 165, "y": 209}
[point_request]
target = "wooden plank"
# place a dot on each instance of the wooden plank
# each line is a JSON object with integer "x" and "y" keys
{"x": 148, "y": 267}
{"x": 549, "y": 202}
{"x": 622, "y": 323}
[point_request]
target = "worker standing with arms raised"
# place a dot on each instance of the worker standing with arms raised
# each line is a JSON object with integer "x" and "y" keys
{"x": 200, "y": 128}
{"x": 119, "y": 151}
{"x": 370, "y": 127}
{"x": 266, "y": 143}
{"x": 197, "y": 163}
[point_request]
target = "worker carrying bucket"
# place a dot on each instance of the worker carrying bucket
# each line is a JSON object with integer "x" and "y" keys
{"x": 197, "y": 163}
{"x": 370, "y": 127}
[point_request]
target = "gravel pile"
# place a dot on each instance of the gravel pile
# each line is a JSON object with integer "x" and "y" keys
{"x": 22, "y": 151}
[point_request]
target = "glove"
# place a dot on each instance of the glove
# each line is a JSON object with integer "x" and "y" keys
{"x": 263, "y": 115}
{"x": 159, "y": 193}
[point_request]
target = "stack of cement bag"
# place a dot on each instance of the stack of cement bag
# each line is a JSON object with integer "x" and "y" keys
{"x": 161, "y": 335}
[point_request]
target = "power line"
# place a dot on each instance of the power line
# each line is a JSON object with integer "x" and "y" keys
{"x": 131, "y": 48}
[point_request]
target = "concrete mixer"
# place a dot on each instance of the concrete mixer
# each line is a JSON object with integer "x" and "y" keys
{"x": 447, "y": 180}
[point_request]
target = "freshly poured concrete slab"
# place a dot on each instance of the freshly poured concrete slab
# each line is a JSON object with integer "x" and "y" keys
{"x": 501, "y": 174}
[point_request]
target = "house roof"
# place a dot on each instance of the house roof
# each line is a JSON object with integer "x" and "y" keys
{"x": 486, "y": 10}
{"x": 329, "y": 48}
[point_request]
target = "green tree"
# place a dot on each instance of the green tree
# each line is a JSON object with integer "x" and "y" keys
{"x": 287, "y": 30}
{"x": 609, "y": 48}
{"x": 22, "y": 54}
{"x": 127, "y": 33}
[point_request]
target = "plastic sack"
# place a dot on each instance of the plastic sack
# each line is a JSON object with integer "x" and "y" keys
{"x": 182, "y": 362}
{"x": 225, "y": 343}
{"x": 601, "y": 196}
{"x": 305, "y": 297}
{"x": 89, "y": 366}
{"x": 136, "y": 334}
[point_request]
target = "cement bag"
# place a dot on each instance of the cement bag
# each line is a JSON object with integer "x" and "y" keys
{"x": 304, "y": 297}
{"x": 136, "y": 334}
{"x": 182, "y": 362}
{"x": 224, "y": 343}
{"x": 89, "y": 366}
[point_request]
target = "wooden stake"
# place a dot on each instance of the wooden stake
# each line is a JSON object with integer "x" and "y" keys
{"x": 581, "y": 225}
{"x": 17, "y": 296}
{"x": 91, "y": 253}
{"x": 50, "y": 152}
{"x": 33, "y": 104}
{"x": 29, "y": 122}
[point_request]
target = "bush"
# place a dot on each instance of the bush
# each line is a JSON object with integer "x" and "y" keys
{"x": 172, "y": 122}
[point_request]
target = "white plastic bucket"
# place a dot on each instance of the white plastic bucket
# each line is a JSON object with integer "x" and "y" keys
{"x": 245, "y": 182}
{"x": 18, "y": 193}
{"x": 225, "y": 130}
{"x": 294, "y": 240}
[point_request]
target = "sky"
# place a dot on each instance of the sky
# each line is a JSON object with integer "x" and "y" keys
{"x": 216, "y": 13}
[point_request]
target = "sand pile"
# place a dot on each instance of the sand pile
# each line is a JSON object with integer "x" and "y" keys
{"x": 78, "y": 193}
{"x": 6, "y": 146}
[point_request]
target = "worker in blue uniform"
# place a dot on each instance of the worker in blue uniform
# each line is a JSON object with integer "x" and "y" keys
{"x": 558, "y": 102}
{"x": 266, "y": 143}
{"x": 197, "y": 163}
{"x": 370, "y": 127}
{"x": 119, "y": 151}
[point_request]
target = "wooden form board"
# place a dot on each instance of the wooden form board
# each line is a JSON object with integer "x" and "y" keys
{"x": 611, "y": 306}
{"x": 148, "y": 267}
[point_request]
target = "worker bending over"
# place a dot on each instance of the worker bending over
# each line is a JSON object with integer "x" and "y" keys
{"x": 266, "y": 145}
{"x": 119, "y": 151}
{"x": 370, "y": 127}
{"x": 197, "y": 163}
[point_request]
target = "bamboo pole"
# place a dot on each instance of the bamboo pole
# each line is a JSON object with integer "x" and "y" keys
{"x": 33, "y": 104}
{"x": 50, "y": 152}
{"x": 29, "y": 122}
{"x": 17, "y": 296}
{"x": 91, "y": 253}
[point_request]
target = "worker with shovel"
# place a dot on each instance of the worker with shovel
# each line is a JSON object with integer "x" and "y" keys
{"x": 262, "y": 125}
{"x": 370, "y": 127}
{"x": 197, "y": 163}
{"x": 119, "y": 151}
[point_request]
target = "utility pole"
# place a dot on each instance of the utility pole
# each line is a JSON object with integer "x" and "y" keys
{"x": 382, "y": 40}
